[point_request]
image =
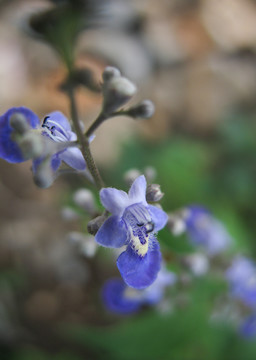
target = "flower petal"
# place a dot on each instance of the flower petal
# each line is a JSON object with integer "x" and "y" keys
{"x": 112, "y": 233}
{"x": 55, "y": 163}
{"x": 137, "y": 192}
{"x": 139, "y": 272}
{"x": 73, "y": 157}
{"x": 60, "y": 119}
{"x": 115, "y": 201}
{"x": 159, "y": 217}
{"x": 9, "y": 150}
{"x": 114, "y": 299}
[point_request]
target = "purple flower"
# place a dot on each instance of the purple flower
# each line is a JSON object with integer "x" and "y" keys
{"x": 206, "y": 231}
{"x": 241, "y": 276}
{"x": 57, "y": 128}
{"x": 133, "y": 223}
{"x": 122, "y": 299}
{"x": 248, "y": 327}
{"x": 9, "y": 149}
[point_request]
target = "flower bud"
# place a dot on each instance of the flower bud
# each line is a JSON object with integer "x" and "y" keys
{"x": 197, "y": 263}
{"x": 144, "y": 110}
{"x": 94, "y": 225}
{"x": 117, "y": 92}
{"x": 85, "y": 244}
{"x": 154, "y": 193}
{"x": 176, "y": 224}
{"x": 68, "y": 214}
{"x": 44, "y": 175}
{"x": 85, "y": 199}
{"x": 109, "y": 73}
{"x": 131, "y": 175}
{"x": 19, "y": 123}
{"x": 150, "y": 173}
{"x": 32, "y": 145}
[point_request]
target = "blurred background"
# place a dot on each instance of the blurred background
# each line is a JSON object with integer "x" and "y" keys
{"x": 195, "y": 59}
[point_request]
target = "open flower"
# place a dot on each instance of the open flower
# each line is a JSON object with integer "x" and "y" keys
{"x": 248, "y": 327}
{"x": 122, "y": 299}
{"x": 206, "y": 231}
{"x": 53, "y": 140}
{"x": 133, "y": 223}
{"x": 57, "y": 128}
{"x": 241, "y": 276}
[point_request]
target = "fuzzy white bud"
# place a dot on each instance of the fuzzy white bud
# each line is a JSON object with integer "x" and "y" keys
{"x": 85, "y": 199}
{"x": 117, "y": 92}
{"x": 19, "y": 123}
{"x": 85, "y": 244}
{"x": 154, "y": 193}
{"x": 176, "y": 225}
{"x": 150, "y": 173}
{"x": 32, "y": 145}
{"x": 109, "y": 73}
{"x": 131, "y": 175}
{"x": 144, "y": 110}
{"x": 44, "y": 176}
{"x": 198, "y": 264}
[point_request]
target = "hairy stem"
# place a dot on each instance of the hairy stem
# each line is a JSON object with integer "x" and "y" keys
{"x": 83, "y": 140}
{"x": 100, "y": 119}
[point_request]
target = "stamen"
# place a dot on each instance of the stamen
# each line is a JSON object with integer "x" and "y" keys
{"x": 140, "y": 223}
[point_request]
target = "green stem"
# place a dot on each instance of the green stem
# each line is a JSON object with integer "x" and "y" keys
{"x": 84, "y": 141}
{"x": 101, "y": 118}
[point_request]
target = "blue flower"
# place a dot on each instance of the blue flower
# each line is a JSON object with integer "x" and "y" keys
{"x": 122, "y": 299}
{"x": 241, "y": 276}
{"x": 9, "y": 149}
{"x": 133, "y": 223}
{"x": 57, "y": 128}
{"x": 248, "y": 327}
{"x": 206, "y": 231}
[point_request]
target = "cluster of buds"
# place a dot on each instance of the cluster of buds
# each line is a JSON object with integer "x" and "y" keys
{"x": 117, "y": 91}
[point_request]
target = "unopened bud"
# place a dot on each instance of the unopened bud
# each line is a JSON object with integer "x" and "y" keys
{"x": 94, "y": 225}
{"x": 144, "y": 110}
{"x": 131, "y": 175}
{"x": 154, "y": 193}
{"x": 68, "y": 214}
{"x": 109, "y": 73}
{"x": 176, "y": 224}
{"x": 32, "y": 145}
{"x": 85, "y": 244}
{"x": 198, "y": 264}
{"x": 85, "y": 199}
{"x": 150, "y": 173}
{"x": 19, "y": 123}
{"x": 117, "y": 92}
{"x": 44, "y": 175}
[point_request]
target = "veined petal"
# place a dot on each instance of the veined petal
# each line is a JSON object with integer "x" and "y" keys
{"x": 115, "y": 201}
{"x": 112, "y": 233}
{"x": 137, "y": 192}
{"x": 73, "y": 157}
{"x": 60, "y": 119}
{"x": 113, "y": 294}
{"x": 159, "y": 217}
{"x": 139, "y": 272}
